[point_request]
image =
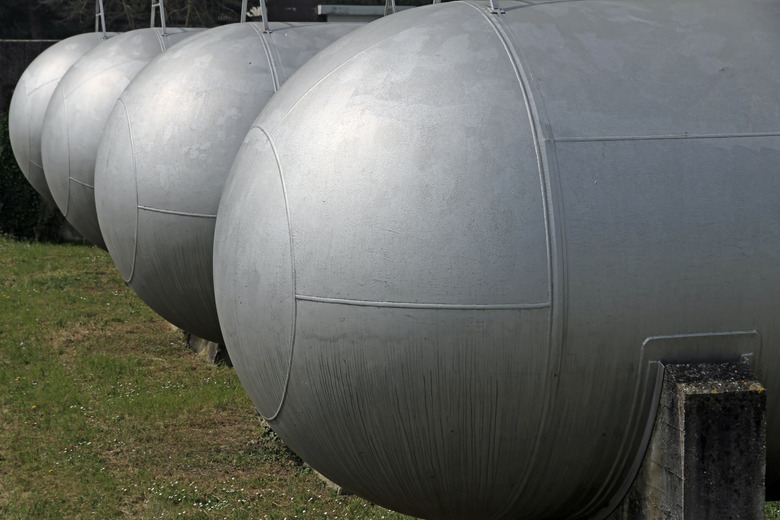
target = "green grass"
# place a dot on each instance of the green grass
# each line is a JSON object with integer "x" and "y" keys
{"x": 105, "y": 412}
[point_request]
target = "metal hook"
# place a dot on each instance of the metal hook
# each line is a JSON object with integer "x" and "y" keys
{"x": 161, "y": 5}
{"x": 100, "y": 17}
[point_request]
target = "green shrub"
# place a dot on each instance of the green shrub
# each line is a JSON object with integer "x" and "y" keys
{"x": 23, "y": 213}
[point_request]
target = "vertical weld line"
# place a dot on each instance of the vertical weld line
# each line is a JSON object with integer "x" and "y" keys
{"x": 135, "y": 183}
{"x": 30, "y": 161}
{"x": 612, "y": 493}
{"x": 160, "y": 38}
{"x": 603, "y": 493}
{"x": 276, "y": 58}
{"x": 552, "y": 366}
{"x": 294, "y": 320}
{"x": 67, "y": 147}
{"x": 271, "y": 65}
{"x": 649, "y": 425}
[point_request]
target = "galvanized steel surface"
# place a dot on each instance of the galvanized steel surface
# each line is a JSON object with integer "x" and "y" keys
{"x": 77, "y": 114}
{"x": 31, "y": 97}
{"x": 168, "y": 147}
{"x": 454, "y": 247}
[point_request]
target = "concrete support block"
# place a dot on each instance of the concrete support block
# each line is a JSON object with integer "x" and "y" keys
{"x": 213, "y": 352}
{"x": 707, "y": 454}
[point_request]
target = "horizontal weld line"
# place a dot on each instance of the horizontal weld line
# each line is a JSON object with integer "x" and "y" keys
{"x": 661, "y": 137}
{"x": 406, "y": 305}
{"x": 42, "y": 84}
{"x": 82, "y": 183}
{"x": 182, "y": 213}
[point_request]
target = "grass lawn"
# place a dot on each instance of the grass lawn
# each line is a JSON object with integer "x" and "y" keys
{"x": 105, "y": 412}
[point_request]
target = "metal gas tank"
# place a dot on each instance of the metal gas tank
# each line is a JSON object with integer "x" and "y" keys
{"x": 31, "y": 97}
{"x": 77, "y": 114}
{"x": 167, "y": 150}
{"x": 453, "y": 249}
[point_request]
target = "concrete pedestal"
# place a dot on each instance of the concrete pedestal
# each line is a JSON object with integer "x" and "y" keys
{"x": 213, "y": 352}
{"x": 707, "y": 453}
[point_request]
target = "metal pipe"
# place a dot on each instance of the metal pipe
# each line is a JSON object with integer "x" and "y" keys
{"x": 161, "y": 5}
{"x": 264, "y": 9}
{"x": 100, "y": 18}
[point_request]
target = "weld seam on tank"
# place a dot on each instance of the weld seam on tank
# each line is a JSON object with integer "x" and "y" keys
{"x": 160, "y": 40}
{"x": 27, "y": 121}
{"x": 174, "y": 212}
{"x": 614, "y": 502}
{"x": 55, "y": 80}
{"x": 120, "y": 101}
{"x": 94, "y": 74}
{"x": 294, "y": 320}
{"x": 538, "y": 122}
{"x": 276, "y": 57}
{"x": 414, "y": 305}
{"x": 645, "y": 424}
{"x": 551, "y": 184}
{"x": 266, "y": 48}
{"x": 67, "y": 140}
{"x": 613, "y": 138}
{"x": 82, "y": 183}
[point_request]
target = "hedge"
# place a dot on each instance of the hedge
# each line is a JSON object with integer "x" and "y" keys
{"x": 23, "y": 213}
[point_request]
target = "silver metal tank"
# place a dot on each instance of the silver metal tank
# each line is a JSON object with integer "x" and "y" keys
{"x": 77, "y": 114}
{"x": 31, "y": 97}
{"x": 455, "y": 249}
{"x": 167, "y": 150}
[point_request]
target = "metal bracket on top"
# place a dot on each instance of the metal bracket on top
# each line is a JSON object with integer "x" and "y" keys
{"x": 161, "y": 6}
{"x": 264, "y": 10}
{"x": 263, "y": 13}
{"x": 100, "y": 18}
{"x": 495, "y": 8}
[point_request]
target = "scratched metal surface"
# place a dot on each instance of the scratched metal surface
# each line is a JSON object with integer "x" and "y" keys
{"x": 167, "y": 150}
{"x": 77, "y": 114}
{"x": 31, "y": 97}
{"x": 454, "y": 248}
